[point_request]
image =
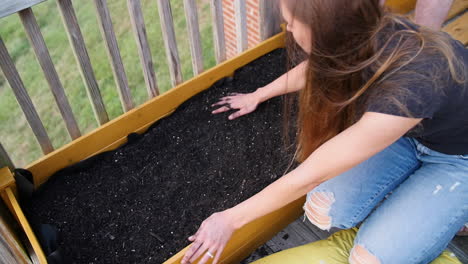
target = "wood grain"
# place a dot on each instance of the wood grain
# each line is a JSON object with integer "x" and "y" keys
{"x": 43, "y": 56}
{"x": 112, "y": 48}
{"x": 22, "y": 96}
{"x": 241, "y": 25}
{"x": 172, "y": 53}
{"x": 8, "y": 7}
{"x": 269, "y": 18}
{"x": 191, "y": 15}
{"x": 139, "y": 30}
{"x": 218, "y": 30}
{"x": 81, "y": 54}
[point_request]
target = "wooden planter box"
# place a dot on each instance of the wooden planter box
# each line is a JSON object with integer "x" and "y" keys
{"x": 114, "y": 133}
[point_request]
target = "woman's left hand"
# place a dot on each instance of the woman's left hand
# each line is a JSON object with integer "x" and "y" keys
{"x": 210, "y": 239}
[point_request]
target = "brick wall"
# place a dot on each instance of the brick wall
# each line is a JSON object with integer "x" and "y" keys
{"x": 253, "y": 25}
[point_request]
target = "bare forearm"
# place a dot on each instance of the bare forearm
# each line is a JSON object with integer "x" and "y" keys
{"x": 432, "y": 13}
{"x": 292, "y": 81}
{"x": 346, "y": 150}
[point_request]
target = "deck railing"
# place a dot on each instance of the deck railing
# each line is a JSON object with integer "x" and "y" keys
{"x": 77, "y": 43}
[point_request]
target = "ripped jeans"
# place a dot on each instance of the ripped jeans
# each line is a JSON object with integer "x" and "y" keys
{"x": 425, "y": 203}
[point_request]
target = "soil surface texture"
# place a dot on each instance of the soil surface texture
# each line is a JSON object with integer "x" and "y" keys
{"x": 140, "y": 203}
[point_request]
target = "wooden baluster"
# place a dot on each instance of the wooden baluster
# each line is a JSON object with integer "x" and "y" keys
{"x": 139, "y": 29}
{"x": 167, "y": 26}
{"x": 112, "y": 48}
{"x": 43, "y": 56}
{"x": 191, "y": 15}
{"x": 13, "y": 78}
{"x": 218, "y": 30}
{"x": 241, "y": 25}
{"x": 79, "y": 49}
{"x": 269, "y": 18}
{"x": 5, "y": 160}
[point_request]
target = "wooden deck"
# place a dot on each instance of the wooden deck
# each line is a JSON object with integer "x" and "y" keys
{"x": 301, "y": 232}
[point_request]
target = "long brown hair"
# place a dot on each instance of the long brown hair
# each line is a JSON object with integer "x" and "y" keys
{"x": 349, "y": 56}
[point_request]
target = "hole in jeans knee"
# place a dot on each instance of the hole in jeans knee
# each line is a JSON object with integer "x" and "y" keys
{"x": 317, "y": 209}
{"x": 360, "y": 255}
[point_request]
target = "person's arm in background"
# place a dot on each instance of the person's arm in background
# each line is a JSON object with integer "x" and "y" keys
{"x": 432, "y": 13}
{"x": 292, "y": 81}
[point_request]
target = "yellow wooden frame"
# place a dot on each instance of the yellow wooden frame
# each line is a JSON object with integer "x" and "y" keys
{"x": 114, "y": 134}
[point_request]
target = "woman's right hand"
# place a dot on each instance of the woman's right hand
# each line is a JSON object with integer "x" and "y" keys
{"x": 245, "y": 103}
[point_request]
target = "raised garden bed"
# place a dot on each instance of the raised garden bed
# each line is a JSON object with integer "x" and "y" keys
{"x": 139, "y": 203}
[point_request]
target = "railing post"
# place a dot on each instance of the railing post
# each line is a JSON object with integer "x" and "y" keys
{"x": 241, "y": 25}
{"x": 139, "y": 29}
{"x": 191, "y": 15}
{"x": 172, "y": 53}
{"x": 218, "y": 30}
{"x": 5, "y": 160}
{"x": 11, "y": 74}
{"x": 112, "y": 48}
{"x": 79, "y": 49}
{"x": 43, "y": 56}
{"x": 269, "y": 18}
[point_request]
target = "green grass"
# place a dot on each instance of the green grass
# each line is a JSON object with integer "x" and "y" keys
{"x": 15, "y": 133}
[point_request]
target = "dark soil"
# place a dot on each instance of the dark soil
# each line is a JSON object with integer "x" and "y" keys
{"x": 139, "y": 204}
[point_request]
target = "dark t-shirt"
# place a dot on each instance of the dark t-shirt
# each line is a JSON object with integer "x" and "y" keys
{"x": 429, "y": 92}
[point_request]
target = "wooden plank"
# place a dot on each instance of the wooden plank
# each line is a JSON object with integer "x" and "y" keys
{"x": 8, "y": 7}
{"x": 400, "y": 6}
{"x": 172, "y": 53}
{"x": 5, "y": 160}
{"x": 43, "y": 56}
{"x": 14, "y": 207}
{"x": 458, "y": 29}
{"x": 191, "y": 15}
{"x": 114, "y": 133}
{"x": 112, "y": 48}
{"x": 218, "y": 30}
{"x": 81, "y": 54}
{"x": 12, "y": 75}
{"x": 11, "y": 250}
{"x": 241, "y": 25}
{"x": 458, "y": 6}
{"x": 269, "y": 18}
{"x": 139, "y": 29}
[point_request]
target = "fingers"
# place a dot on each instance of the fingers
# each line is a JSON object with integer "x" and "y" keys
{"x": 221, "y": 110}
{"x": 238, "y": 114}
{"x": 201, "y": 250}
{"x": 218, "y": 255}
{"x": 191, "y": 251}
{"x": 209, "y": 254}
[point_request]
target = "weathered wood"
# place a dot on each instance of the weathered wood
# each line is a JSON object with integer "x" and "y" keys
{"x": 172, "y": 53}
{"x": 139, "y": 29}
{"x": 8, "y": 7}
{"x": 5, "y": 160}
{"x": 81, "y": 54}
{"x": 241, "y": 25}
{"x": 218, "y": 30}
{"x": 112, "y": 48}
{"x": 191, "y": 15}
{"x": 43, "y": 56}
{"x": 458, "y": 29}
{"x": 269, "y": 18}
{"x": 10, "y": 246}
{"x": 13, "y": 78}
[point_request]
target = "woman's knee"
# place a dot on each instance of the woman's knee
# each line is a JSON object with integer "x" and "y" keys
{"x": 317, "y": 209}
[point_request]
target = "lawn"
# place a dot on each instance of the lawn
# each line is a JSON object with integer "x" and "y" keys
{"x": 15, "y": 133}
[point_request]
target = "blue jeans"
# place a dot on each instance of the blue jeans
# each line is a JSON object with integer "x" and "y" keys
{"x": 426, "y": 203}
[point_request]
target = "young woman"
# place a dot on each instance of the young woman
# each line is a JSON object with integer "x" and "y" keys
{"x": 382, "y": 109}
